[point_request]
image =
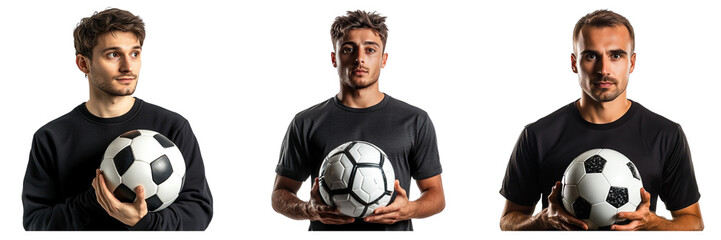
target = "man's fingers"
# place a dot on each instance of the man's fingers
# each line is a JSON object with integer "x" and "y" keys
{"x": 628, "y": 227}
{"x": 399, "y": 189}
{"x": 139, "y": 196}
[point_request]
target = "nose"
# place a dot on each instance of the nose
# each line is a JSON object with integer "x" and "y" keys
{"x": 603, "y": 67}
{"x": 360, "y": 57}
{"x": 126, "y": 64}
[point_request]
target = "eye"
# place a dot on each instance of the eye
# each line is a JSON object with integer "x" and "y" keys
{"x": 135, "y": 54}
{"x": 371, "y": 50}
{"x": 591, "y": 57}
{"x": 616, "y": 56}
{"x": 112, "y": 55}
{"x": 347, "y": 50}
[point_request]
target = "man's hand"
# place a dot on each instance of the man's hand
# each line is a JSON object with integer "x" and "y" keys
{"x": 641, "y": 218}
{"x": 127, "y": 213}
{"x": 401, "y": 209}
{"x": 556, "y": 216}
{"x": 319, "y": 211}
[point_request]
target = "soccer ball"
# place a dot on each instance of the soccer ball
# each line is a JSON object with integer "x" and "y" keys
{"x": 356, "y": 177}
{"x": 147, "y": 158}
{"x": 599, "y": 184}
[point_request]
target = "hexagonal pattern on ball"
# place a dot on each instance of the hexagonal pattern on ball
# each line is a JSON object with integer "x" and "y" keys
{"x": 146, "y": 148}
{"x": 368, "y": 184}
{"x": 112, "y": 178}
{"x": 115, "y": 146}
{"x": 338, "y": 171}
{"x": 347, "y": 205}
{"x": 364, "y": 153}
{"x": 587, "y": 188}
{"x": 169, "y": 190}
{"x": 569, "y": 194}
{"x": 390, "y": 175}
{"x": 574, "y": 173}
{"x": 603, "y": 214}
{"x": 140, "y": 174}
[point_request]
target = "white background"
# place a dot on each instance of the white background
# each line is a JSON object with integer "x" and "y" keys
{"x": 240, "y": 71}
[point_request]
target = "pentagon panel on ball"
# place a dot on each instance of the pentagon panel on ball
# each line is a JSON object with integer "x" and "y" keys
{"x": 147, "y": 158}
{"x": 356, "y": 177}
{"x": 598, "y": 184}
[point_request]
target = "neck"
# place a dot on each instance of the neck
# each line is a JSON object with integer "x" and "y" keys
{"x": 105, "y": 106}
{"x": 602, "y": 112}
{"x": 360, "y": 98}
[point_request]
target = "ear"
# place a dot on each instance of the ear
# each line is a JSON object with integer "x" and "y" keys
{"x": 385, "y": 58}
{"x": 83, "y": 63}
{"x": 633, "y": 62}
{"x": 573, "y": 63}
{"x": 332, "y": 59}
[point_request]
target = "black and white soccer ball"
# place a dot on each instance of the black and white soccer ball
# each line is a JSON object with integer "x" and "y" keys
{"x": 356, "y": 177}
{"x": 599, "y": 184}
{"x": 147, "y": 158}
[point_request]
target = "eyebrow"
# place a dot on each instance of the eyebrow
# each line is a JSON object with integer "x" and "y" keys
{"x": 117, "y": 48}
{"x": 614, "y": 51}
{"x": 364, "y": 43}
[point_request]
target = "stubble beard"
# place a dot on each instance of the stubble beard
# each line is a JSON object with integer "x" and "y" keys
{"x": 107, "y": 86}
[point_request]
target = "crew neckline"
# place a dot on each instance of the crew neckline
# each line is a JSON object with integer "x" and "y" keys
{"x": 603, "y": 126}
{"x": 119, "y": 119}
{"x": 381, "y": 104}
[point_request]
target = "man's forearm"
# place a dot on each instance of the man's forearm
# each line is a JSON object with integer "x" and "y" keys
{"x": 514, "y": 221}
{"x": 431, "y": 202}
{"x": 288, "y": 204}
{"x": 687, "y": 222}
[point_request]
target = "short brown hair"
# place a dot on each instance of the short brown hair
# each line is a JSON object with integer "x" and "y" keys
{"x": 603, "y": 18}
{"x": 90, "y": 28}
{"x": 359, "y": 19}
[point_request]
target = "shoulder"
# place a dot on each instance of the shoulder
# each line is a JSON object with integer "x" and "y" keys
{"x": 654, "y": 121}
{"x": 402, "y": 107}
{"x": 61, "y": 125}
{"x": 315, "y": 110}
{"x": 554, "y": 121}
{"x": 160, "y": 113}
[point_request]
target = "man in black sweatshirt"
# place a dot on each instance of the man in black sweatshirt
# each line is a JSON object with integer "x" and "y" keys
{"x": 63, "y": 190}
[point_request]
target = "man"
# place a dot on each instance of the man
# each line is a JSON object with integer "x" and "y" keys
{"x": 63, "y": 190}
{"x": 603, "y": 117}
{"x": 360, "y": 111}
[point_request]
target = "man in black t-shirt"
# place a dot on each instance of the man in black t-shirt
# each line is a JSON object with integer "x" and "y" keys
{"x": 63, "y": 188}
{"x": 360, "y": 112}
{"x": 603, "y": 117}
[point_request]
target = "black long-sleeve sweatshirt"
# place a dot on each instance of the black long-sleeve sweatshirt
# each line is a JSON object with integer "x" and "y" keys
{"x": 57, "y": 192}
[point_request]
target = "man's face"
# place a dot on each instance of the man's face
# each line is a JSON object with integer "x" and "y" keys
{"x": 115, "y": 64}
{"x": 603, "y": 59}
{"x": 359, "y": 58}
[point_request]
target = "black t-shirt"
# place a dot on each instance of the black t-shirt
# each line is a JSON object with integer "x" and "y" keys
{"x": 404, "y": 132}
{"x": 57, "y": 192}
{"x": 656, "y": 145}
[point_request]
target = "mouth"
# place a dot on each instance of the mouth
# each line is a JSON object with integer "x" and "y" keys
{"x": 604, "y": 84}
{"x": 359, "y": 71}
{"x": 125, "y": 79}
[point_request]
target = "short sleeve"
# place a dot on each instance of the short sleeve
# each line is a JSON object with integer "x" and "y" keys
{"x": 679, "y": 188}
{"x": 292, "y": 155}
{"x": 520, "y": 185}
{"x": 425, "y": 160}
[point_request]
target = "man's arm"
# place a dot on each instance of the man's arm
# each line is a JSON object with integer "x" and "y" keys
{"x": 285, "y": 201}
{"x": 686, "y": 219}
{"x": 43, "y": 209}
{"x": 519, "y": 217}
{"x": 432, "y": 201}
